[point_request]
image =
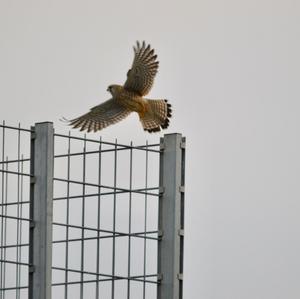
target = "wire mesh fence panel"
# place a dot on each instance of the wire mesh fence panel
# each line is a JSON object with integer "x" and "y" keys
{"x": 105, "y": 219}
{"x": 85, "y": 218}
{"x": 14, "y": 211}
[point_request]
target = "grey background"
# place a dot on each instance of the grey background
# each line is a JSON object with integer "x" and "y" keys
{"x": 231, "y": 71}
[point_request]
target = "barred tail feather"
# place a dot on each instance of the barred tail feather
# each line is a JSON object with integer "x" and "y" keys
{"x": 157, "y": 116}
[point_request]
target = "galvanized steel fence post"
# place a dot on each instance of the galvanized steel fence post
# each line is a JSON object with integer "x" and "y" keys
{"x": 171, "y": 217}
{"x": 41, "y": 195}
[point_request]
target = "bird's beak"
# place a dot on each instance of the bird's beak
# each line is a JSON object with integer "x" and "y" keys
{"x": 107, "y": 89}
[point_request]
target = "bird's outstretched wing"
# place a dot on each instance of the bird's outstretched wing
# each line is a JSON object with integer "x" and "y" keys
{"x": 101, "y": 116}
{"x": 144, "y": 68}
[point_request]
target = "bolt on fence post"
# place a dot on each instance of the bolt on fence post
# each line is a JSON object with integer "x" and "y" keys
{"x": 41, "y": 195}
{"x": 171, "y": 217}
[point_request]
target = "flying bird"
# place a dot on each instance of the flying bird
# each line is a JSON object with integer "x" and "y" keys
{"x": 153, "y": 114}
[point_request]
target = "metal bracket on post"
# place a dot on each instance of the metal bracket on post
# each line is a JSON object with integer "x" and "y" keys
{"x": 171, "y": 217}
{"x": 41, "y": 195}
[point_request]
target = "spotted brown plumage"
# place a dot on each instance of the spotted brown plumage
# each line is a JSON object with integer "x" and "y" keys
{"x": 154, "y": 114}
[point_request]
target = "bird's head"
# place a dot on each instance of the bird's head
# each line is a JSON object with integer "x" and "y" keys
{"x": 113, "y": 89}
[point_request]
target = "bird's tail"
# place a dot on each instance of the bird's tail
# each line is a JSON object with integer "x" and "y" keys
{"x": 156, "y": 116}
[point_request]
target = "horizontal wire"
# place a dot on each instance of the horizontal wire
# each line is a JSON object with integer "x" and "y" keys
{"x": 15, "y": 161}
{"x": 14, "y": 245}
{"x": 97, "y": 152}
{"x": 15, "y": 263}
{"x": 102, "y": 237}
{"x": 15, "y": 172}
{"x": 102, "y": 280}
{"x": 103, "y": 193}
{"x": 13, "y": 288}
{"x": 75, "y": 154}
{"x": 16, "y": 218}
{"x": 83, "y": 227}
{"x": 16, "y": 128}
{"x": 118, "y": 190}
{"x": 137, "y": 235}
{"x": 102, "y": 230}
{"x": 14, "y": 203}
{"x": 141, "y": 147}
{"x": 111, "y": 277}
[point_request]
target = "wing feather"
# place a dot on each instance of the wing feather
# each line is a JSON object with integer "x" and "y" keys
{"x": 144, "y": 68}
{"x": 101, "y": 116}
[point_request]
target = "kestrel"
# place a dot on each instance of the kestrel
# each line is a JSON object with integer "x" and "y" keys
{"x": 154, "y": 114}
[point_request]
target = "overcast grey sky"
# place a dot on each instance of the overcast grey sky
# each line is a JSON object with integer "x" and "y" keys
{"x": 231, "y": 71}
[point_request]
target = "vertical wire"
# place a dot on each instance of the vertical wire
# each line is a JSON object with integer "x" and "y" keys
{"x": 2, "y": 211}
{"x": 18, "y": 216}
{"x": 67, "y": 219}
{"x": 145, "y": 223}
{"x": 129, "y": 224}
{"x": 114, "y": 224}
{"x": 98, "y": 219}
{"x": 83, "y": 219}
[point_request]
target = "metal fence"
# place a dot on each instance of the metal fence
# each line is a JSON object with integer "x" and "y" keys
{"x": 85, "y": 218}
